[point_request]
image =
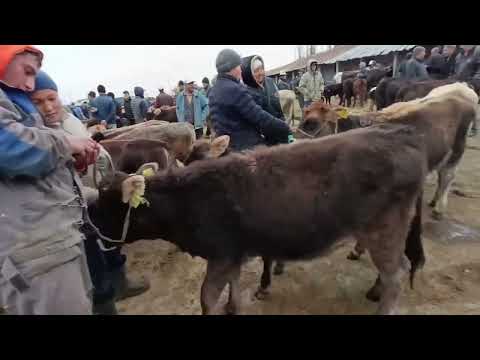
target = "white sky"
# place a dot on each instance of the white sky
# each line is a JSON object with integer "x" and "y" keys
{"x": 78, "y": 69}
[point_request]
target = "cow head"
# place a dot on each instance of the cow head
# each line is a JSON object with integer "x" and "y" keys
{"x": 116, "y": 194}
{"x": 203, "y": 149}
{"x": 320, "y": 120}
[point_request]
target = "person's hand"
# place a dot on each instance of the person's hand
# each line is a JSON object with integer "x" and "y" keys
{"x": 84, "y": 148}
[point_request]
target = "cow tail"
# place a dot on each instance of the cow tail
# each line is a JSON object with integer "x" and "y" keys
{"x": 414, "y": 247}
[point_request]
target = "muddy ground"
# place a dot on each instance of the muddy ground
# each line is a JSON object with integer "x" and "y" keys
{"x": 449, "y": 283}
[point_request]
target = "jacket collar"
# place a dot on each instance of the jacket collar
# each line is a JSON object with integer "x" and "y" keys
{"x": 227, "y": 76}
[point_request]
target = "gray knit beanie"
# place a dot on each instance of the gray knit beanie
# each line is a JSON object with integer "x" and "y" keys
{"x": 227, "y": 60}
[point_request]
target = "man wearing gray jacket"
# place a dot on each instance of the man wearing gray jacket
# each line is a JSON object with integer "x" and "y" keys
{"x": 43, "y": 270}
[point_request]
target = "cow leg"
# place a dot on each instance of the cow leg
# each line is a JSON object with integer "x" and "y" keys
{"x": 234, "y": 297}
{"x": 391, "y": 287}
{"x": 219, "y": 272}
{"x": 387, "y": 251}
{"x": 279, "y": 268}
{"x": 357, "y": 251}
{"x": 266, "y": 279}
{"x": 445, "y": 179}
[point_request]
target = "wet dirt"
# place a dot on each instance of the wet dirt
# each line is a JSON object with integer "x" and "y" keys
{"x": 448, "y": 284}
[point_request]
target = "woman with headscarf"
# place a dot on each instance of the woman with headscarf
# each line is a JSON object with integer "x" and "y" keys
{"x": 262, "y": 89}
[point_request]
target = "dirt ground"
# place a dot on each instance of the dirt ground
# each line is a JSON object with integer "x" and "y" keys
{"x": 449, "y": 283}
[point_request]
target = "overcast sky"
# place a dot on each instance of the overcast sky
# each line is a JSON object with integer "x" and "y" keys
{"x": 77, "y": 69}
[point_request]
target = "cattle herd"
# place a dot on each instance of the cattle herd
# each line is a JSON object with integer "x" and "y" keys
{"x": 293, "y": 202}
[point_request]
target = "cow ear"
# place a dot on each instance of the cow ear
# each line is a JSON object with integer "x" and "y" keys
{"x": 342, "y": 112}
{"x": 219, "y": 146}
{"x": 148, "y": 169}
{"x": 132, "y": 185}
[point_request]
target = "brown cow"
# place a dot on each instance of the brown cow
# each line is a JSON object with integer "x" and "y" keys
{"x": 359, "y": 91}
{"x": 289, "y": 202}
{"x": 443, "y": 117}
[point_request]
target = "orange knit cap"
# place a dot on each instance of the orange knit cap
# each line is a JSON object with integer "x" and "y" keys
{"x": 8, "y": 52}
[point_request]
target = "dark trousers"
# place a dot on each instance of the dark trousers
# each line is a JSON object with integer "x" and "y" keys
{"x": 199, "y": 133}
{"x": 103, "y": 266}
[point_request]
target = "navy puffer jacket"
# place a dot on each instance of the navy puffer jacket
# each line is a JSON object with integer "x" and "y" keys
{"x": 235, "y": 113}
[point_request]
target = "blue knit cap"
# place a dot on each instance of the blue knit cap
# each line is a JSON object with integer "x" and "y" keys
{"x": 44, "y": 82}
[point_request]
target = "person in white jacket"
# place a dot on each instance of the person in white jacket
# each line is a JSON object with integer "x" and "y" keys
{"x": 108, "y": 274}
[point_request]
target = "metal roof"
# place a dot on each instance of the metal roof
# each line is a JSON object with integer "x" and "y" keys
{"x": 320, "y": 57}
{"x": 362, "y": 51}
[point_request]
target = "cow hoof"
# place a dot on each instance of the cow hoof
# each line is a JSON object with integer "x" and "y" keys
{"x": 373, "y": 294}
{"x": 230, "y": 310}
{"x": 437, "y": 215}
{"x": 353, "y": 256}
{"x": 261, "y": 294}
{"x": 278, "y": 269}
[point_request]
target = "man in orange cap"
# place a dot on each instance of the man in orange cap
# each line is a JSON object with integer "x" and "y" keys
{"x": 43, "y": 268}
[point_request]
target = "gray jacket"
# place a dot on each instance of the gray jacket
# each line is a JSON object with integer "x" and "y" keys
{"x": 415, "y": 70}
{"x": 311, "y": 84}
{"x": 40, "y": 210}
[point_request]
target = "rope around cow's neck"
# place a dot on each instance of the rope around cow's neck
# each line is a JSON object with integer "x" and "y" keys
{"x": 318, "y": 131}
{"x": 126, "y": 225}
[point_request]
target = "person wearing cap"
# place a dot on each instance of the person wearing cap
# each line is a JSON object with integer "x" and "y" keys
{"x": 127, "y": 108}
{"x": 107, "y": 269}
{"x": 43, "y": 268}
{"x": 311, "y": 84}
{"x": 234, "y": 111}
{"x": 140, "y": 105}
{"x": 282, "y": 82}
{"x": 192, "y": 107}
{"x": 415, "y": 70}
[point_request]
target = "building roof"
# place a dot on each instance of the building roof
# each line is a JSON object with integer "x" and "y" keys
{"x": 320, "y": 57}
{"x": 361, "y": 51}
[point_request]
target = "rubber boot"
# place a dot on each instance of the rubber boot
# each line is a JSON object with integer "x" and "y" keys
{"x": 107, "y": 308}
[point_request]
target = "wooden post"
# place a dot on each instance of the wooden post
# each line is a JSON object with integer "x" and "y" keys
{"x": 337, "y": 67}
{"x": 395, "y": 64}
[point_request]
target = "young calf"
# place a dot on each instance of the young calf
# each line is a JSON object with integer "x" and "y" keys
{"x": 290, "y": 202}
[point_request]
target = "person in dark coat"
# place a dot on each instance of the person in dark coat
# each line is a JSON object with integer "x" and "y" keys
{"x": 449, "y": 53}
{"x": 415, "y": 69}
{"x": 234, "y": 111}
{"x": 470, "y": 72}
{"x": 139, "y": 105}
{"x": 105, "y": 108}
{"x": 283, "y": 83}
{"x": 127, "y": 108}
{"x": 262, "y": 89}
{"x": 435, "y": 64}
{"x": 403, "y": 66}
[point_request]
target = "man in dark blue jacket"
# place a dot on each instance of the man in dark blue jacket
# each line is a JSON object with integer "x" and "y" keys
{"x": 106, "y": 108}
{"x": 235, "y": 113}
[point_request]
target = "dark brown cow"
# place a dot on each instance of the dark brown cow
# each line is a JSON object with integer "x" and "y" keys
{"x": 289, "y": 202}
{"x": 348, "y": 91}
{"x": 416, "y": 90}
{"x": 333, "y": 90}
{"x": 359, "y": 91}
